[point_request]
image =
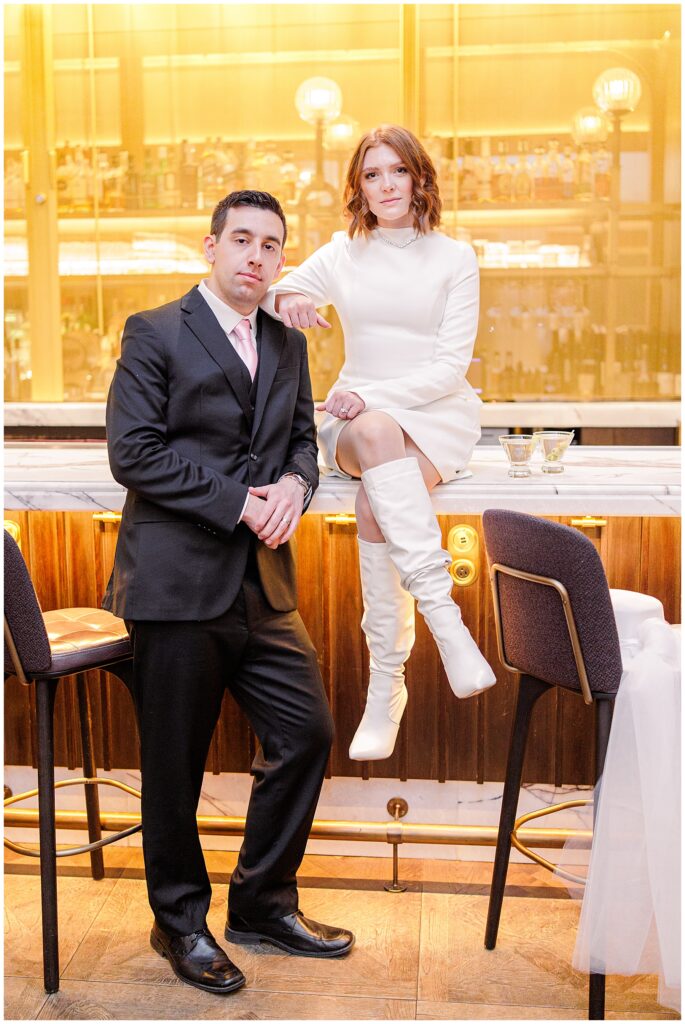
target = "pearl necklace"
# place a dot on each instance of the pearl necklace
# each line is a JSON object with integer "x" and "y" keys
{"x": 397, "y": 245}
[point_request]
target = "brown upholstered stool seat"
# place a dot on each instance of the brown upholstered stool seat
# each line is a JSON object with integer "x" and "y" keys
{"x": 83, "y": 638}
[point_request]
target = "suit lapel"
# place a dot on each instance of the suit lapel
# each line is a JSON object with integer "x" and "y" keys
{"x": 206, "y": 328}
{"x": 272, "y": 336}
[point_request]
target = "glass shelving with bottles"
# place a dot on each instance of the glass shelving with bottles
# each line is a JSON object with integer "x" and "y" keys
{"x": 132, "y": 203}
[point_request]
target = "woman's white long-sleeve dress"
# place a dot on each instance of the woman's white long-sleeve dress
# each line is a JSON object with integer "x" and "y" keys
{"x": 409, "y": 317}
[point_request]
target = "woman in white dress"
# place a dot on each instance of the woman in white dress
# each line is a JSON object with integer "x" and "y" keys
{"x": 401, "y": 416}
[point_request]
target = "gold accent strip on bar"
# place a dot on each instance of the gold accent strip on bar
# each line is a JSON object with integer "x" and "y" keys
{"x": 107, "y": 517}
{"x": 341, "y": 519}
{"x": 588, "y": 522}
{"x": 361, "y": 831}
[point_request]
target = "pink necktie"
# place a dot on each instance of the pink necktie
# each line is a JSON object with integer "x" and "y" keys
{"x": 244, "y": 347}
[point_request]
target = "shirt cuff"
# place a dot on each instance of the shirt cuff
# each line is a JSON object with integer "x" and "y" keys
{"x": 240, "y": 517}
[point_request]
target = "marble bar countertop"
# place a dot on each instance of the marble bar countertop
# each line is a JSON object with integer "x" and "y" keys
{"x": 621, "y": 481}
{"x": 494, "y": 414}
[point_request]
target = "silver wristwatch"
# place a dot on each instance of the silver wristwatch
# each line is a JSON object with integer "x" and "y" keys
{"x": 302, "y": 480}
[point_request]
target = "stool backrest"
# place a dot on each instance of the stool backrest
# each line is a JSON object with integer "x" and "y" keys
{"x": 535, "y": 630}
{"x": 23, "y": 615}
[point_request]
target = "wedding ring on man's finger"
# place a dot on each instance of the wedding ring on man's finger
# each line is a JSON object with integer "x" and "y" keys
{"x": 285, "y": 520}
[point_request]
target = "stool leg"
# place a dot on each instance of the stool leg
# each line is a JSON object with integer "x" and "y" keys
{"x": 45, "y": 703}
{"x": 596, "y": 1002}
{"x": 97, "y": 866}
{"x": 604, "y": 710}
{"x": 530, "y": 689}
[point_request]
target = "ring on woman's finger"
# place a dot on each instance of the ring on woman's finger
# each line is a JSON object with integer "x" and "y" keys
{"x": 343, "y": 409}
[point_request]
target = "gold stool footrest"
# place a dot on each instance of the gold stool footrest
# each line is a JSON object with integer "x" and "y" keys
{"x": 527, "y": 852}
{"x": 73, "y": 850}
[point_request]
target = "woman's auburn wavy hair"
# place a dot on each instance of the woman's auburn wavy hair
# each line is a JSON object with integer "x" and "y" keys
{"x": 425, "y": 202}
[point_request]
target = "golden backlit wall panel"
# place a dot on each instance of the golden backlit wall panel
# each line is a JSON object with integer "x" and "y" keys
{"x": 161, "y": 109}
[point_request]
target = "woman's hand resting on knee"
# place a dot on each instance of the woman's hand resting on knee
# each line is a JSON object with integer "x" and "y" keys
{"x": 343, "y": 404}
{"x": 297, "y": 310}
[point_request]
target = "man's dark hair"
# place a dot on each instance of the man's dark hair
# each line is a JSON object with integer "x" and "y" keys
{"x": 245, "y": 197}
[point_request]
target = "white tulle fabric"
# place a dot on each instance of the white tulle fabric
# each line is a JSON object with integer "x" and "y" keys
{"x": 630, "y": 917}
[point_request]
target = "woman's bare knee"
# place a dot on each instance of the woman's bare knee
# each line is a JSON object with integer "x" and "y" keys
{"x": 371, "y": 439}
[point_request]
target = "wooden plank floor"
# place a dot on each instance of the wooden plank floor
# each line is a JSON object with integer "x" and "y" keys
{"x": 419, "y": 955}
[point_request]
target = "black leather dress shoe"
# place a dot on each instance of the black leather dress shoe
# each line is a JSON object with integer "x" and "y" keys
{"x": 198, "y": 960}
{"x": 295, "y": 933}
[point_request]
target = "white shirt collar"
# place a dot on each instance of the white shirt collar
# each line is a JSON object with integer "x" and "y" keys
{"x": 228, "y": 317}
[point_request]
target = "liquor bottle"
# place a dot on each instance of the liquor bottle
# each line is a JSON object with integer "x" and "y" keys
{"x": 131, "y": 182}
{"x": 288, "y": 174}
{"x": 228, "y": 163}
{"x": 63, "y": 176}
{"x": 584, "y": 175}
{"x": 173, "y": 183}
{"x": 643, "y": 382}
{"x": 484, "y": 172}
{"x": 664, "y": 379}
{"x": 79, "y": 181}
{"x": 554, "y": 366}
{"x": 539, "y": 171}
{"x": 116, "y": 177}
{"x": 553, "y": 171}
{"x": 160, "y": 175}
{"x": 503, "y": 175}
{"x": 522, "y": 180}
{"x": 495, "y": 390}
{"x": 208, "y": 173}
{"x": 598, "y": 345}
{"x": 148, "y": 182}
{"x": 14, "y": 187}
{"x": 541, "y": 334}
{"x": 167, "y": 183}
{"x": 468, "y": 184}
{"x": 507, "y": 378}
{"x": 188, "y": 177}
{"x": 103, "y": 181}
{"x": 601, "y": 173}
{"x": 567, "y": 173}
{"x": 497, "y": 170}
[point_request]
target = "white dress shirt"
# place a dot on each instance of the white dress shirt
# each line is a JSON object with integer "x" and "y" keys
{"x": 228, "y": 317}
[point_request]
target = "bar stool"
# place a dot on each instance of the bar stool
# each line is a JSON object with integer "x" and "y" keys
{"x": 40, "y": 649}
{"x": 556, "y": 626}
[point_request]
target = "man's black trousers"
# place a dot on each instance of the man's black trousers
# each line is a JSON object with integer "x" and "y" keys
{"x": 266, "y": 660}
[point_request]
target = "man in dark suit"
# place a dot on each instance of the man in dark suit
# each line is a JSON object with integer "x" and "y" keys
{"x": 210, "y": 427}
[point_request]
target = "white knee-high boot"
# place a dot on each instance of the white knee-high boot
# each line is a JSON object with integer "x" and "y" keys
{"x": 388, "y": 623}
{"x": 401, "y": 506}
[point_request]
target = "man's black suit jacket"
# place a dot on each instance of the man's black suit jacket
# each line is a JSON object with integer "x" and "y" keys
{"x": 187, "y": 433}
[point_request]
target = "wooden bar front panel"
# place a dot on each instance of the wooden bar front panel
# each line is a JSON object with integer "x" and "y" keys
{"x": 70, "y": 556}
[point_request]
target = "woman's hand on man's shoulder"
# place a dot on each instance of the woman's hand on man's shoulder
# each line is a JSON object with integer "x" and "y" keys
{"x": 296, "y": 310}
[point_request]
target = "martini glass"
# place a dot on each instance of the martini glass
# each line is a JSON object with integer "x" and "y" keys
{"x": 553, "y": 444}
{"x": 518, "y": 448}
